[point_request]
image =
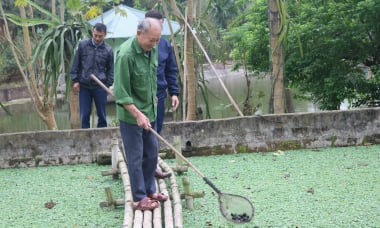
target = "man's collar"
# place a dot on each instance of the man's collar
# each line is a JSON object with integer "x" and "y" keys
{"x": 96, "y": 45}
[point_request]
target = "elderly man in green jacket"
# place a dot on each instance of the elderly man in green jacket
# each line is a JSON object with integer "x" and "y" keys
{"x": 135, "y": 93}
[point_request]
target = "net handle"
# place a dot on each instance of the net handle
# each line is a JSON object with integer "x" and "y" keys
{"x": 208, "y": 182}
{"x": 187, "y": 161}
{"x": 178, "y": 153}
{"x": 164, "y": 140}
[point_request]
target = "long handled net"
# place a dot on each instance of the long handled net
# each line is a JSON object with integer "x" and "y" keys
{"x": 234, "y": 208}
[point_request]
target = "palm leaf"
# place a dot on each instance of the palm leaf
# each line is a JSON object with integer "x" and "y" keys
{"x": 56, "y": 19}
{"x": 17, "y": 20}
{"x": 5, "y": 109}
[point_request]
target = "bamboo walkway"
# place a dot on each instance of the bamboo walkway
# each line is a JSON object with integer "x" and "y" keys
{"x": 168, "y": 215}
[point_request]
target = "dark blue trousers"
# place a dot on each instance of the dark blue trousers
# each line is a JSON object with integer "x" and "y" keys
{"x": 141, "y": 153}
{"x": 160, "y": 114}
{"x": 86, "y": 96}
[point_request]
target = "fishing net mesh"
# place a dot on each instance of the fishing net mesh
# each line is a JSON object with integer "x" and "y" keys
{"x": 235, "y": 208}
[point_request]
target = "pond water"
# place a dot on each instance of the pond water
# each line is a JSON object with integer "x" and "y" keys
{"x": 220, "y": 105}
{"x": 24, "y": 117}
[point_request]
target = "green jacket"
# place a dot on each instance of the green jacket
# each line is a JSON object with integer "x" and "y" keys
{"x": 135, "y": 80}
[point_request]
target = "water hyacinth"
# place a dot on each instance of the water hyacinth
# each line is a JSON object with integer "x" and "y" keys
{"x": 331, "y": 187}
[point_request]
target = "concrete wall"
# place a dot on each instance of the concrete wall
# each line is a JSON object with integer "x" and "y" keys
{"x": 207, "y": 137}
{"x": 13, "y": 93}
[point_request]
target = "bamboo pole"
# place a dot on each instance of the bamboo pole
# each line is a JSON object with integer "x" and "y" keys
{"x": 216, "y": 73}
{"x": 185, "y": 90}
{"x": 167, "y": 205}
{"x": 128, "y": 211}
{"x": 176, "y": 197}
{"x": 147, "y": 218}
{"x": 138, "y": 221}
{"x": 156, "y": 219}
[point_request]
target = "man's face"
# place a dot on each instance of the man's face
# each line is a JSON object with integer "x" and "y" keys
{"x": 98, "y": 36}
{"x": 149, "y": 39}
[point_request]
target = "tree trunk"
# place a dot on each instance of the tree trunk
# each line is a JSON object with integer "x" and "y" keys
{"x": 277, "y": 58}
{"x": 74, "y": 110}
{"x": 53, "y": 8}
{"x": 44, "y": 106}
{"x": 62, "y": 9}
{"x": 74, "y": 114}
{"x": 189, "y": 67}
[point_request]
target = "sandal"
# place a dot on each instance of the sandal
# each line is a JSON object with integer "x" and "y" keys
{"x": 146, "y": 204}
{"x": 158, "y": 196}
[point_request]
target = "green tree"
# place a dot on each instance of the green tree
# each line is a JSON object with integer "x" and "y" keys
{"x": 336, "y": 37}
{"x": 222, "y": 12}
{"x": 8, "y": 68}
{"x": 259, "y": 45}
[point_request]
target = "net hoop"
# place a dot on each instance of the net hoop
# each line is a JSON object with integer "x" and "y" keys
{"x": 235, "y": 208}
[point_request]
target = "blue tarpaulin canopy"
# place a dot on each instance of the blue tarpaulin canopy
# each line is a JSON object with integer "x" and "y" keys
{"x": 122, "y": 22}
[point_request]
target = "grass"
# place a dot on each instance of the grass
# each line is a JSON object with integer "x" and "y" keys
{"x": 332, "y": 187}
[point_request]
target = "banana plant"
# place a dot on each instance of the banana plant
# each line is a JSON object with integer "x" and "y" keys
{"x": 52, "y": 55}
{"x": 54, "y": 51}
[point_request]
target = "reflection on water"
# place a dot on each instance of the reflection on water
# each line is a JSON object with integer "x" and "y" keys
{"x": 221, "y": 106}
{"x": 26, "y": 119}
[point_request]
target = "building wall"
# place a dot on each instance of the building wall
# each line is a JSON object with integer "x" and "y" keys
{"x": 207, "y": 137}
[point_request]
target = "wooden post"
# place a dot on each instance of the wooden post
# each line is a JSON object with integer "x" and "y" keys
{"x": 192, "y": 194}
{"x": 177, "y": 145}
{"x": 187, "y": 187}
{"x": 118, "y": 202}
{"x": 180, "y": 169}
{"x": 110, "y": 200}
{"x": 114, "y": 162}
{"x": 115, "y": 149}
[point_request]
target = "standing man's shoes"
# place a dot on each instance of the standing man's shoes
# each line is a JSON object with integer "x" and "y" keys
{"x": 161, "y": 175}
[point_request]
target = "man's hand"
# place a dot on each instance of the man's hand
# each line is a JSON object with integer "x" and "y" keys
{"x": 141, "y": 119}
{"x": 175, "y": 103}
{"x": 76, "y": 87}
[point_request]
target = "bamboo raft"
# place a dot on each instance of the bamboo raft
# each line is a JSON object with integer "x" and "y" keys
{"x": 168, "y": 215}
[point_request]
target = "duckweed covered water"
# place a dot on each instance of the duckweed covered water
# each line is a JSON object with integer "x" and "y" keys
{"x": 332, "y": 187}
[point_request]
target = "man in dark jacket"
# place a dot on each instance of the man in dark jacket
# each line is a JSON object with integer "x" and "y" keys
{"x": 93, "y": 56}
{"x": 166, "y": 74}
{"x": 166, "y": 80}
